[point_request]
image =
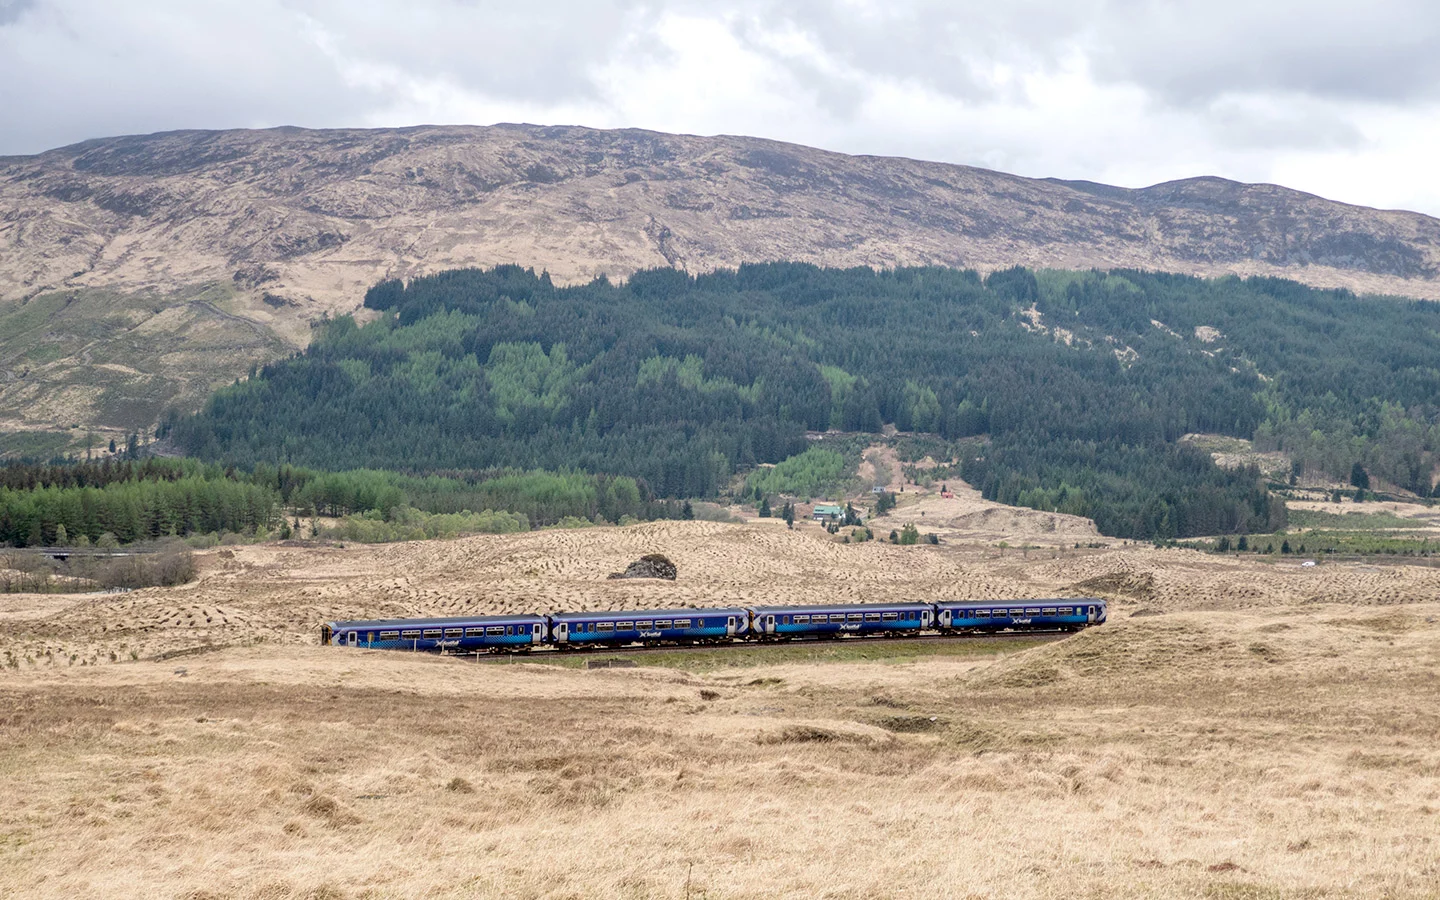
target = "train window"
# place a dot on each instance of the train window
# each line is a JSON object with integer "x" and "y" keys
{"x": 389, "y": 635}
{"x": 872, "y": 617}
{"x": 682, "y": 623}
{"x": 889, "y": 616}
{"x": 495, "y": 629}
{"x": 802, "y": 620}
{"x": 1032, "y": 611}
{"x": 644, "y": 626}
{"x": 433, "y": 632}
{"x": 853, "y": 617}
{"x": 662, "y": 623}
{"x": 474, "y": 632}
{"x": 784, "y": 620}
{"x": 625, "y": 626}
{"x": 1049, "y": 611}
{"x": 605, "y": 626}
{"x": 454, "y": 632}
{"x": 409, "y": 635}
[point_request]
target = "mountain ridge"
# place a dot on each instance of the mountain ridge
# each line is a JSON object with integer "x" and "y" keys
{"x": 611, "y": 202}
{"x": 281, "y": 228}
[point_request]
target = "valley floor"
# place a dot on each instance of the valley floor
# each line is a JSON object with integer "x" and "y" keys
{"x": 1269, "y": 732}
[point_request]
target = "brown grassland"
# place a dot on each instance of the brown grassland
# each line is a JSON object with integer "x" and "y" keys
{"x": 1267, "y": 731}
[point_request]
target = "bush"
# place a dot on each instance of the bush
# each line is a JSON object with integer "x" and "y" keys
{"x": 413, "y": 525}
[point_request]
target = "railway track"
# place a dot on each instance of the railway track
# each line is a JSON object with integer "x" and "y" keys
{"x": 541, "y": 654}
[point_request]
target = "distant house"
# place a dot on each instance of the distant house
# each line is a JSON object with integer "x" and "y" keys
{"x": 828, "y": 512}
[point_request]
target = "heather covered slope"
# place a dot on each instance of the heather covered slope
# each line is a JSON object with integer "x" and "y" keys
{"x": 278, "y": 228}
{"x": 313, "y": 217}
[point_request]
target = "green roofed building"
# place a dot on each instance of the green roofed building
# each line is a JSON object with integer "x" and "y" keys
{"x": 828, "y": 512}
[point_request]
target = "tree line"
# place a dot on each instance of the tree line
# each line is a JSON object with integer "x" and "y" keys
{"x": 1075, "y": 386}
{"x": 118, "y": 502}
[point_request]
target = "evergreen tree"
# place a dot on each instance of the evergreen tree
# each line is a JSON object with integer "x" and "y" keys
{"x": 1359, "y": 477}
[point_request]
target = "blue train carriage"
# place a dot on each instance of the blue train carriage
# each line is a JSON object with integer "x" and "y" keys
{"x": 463, "y": 634}
{"x": 838, "y": 620}
{"x": 1069, "y": 614}
{"x": 648, "y": 626}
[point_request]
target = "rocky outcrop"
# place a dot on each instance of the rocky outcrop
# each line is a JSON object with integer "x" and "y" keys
{"x": 651, "y": 566}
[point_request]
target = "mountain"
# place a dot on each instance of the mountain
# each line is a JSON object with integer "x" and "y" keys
{"x": 221, "y": 248}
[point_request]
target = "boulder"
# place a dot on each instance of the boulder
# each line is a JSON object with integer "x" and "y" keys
{"x": 653, "y": 566}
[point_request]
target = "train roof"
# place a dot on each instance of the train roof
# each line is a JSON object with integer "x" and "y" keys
{"x": 649, "y": 613}
{"x": 452, "y": 621}
{"x": 848, "y": 607}
{"x": 1019, "y": 601}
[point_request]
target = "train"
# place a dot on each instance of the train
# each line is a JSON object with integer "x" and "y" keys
{"x": 737, "y": 625}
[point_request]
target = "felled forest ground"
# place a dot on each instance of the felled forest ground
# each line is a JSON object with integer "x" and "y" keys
{"x": 1241, "y": 728}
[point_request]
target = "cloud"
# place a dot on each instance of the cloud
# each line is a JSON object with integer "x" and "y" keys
{"x": 1129, "y": 91}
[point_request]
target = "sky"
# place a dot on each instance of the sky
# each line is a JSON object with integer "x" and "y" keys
{"x": 1339, "y": 99}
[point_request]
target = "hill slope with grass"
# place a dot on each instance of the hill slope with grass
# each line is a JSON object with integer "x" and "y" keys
{"x": 276, "y": 229}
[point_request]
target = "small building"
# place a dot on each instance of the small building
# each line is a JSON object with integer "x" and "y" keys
{"x": 828, "y": 512}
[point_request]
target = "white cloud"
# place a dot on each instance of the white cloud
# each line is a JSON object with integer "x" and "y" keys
{"x": 1309, "y": 94}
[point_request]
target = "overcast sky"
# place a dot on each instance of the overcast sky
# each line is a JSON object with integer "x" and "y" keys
{"x": 1342, "y": 99}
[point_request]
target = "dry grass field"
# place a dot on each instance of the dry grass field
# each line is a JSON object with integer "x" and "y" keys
{"x": 1263, "y": 731}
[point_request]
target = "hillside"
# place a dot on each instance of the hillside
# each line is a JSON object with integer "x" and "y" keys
{"x": 277, "y": 228}
{"x": 1065, "y": 392}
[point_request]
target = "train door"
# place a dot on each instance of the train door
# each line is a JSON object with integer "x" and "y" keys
{"x": 927, "y": 618}
{"x": 352, "y": 637}
{"x": 561, "y": 632}
{"x": 537, "y": 633}
{"x": 946, "y": 616}
{"x": 769, "y": 624}
{"x": 1091, "y": 616}
{"x": 730, "y": 626}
